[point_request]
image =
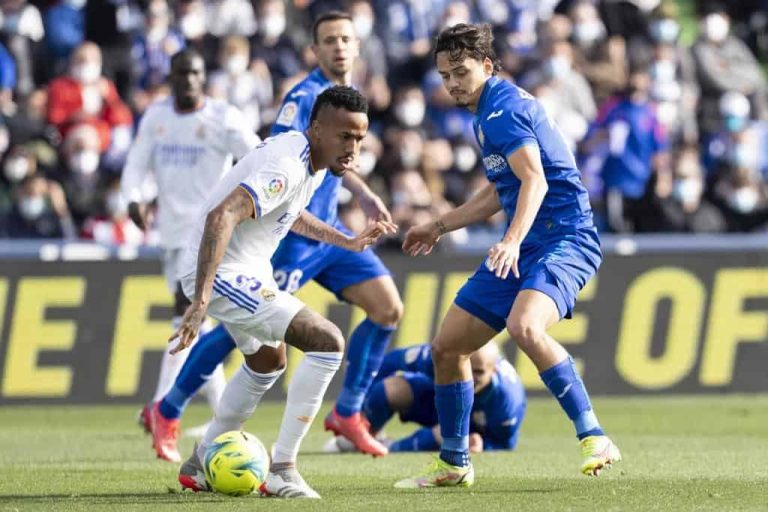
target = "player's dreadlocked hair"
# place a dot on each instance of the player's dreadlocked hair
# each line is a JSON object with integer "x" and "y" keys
{"x": 467, "y": 40}
{"x": 340, "y": 96}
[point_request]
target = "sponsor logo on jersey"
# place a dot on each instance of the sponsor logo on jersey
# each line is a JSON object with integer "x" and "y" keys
{"x": 494, "y": 115}
{"x": 267, "y": 295}
{"x": 494, "y": 163}
{"x": 274, "y": 187}
{"x": 287, "y": 114}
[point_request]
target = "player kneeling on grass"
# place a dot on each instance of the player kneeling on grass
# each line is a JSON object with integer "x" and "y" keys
{"x": 497, "y": 412}
{"x": 226, "y": 272}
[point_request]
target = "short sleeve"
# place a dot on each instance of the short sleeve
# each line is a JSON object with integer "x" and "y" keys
{"x": 509, "y": 131}
{"x": 270, "y": 185}
{"x": 294, "y": 113}
{"x": 240, "y": 136}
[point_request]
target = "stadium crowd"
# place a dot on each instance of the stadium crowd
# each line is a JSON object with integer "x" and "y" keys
{"x": 670, "y": 137}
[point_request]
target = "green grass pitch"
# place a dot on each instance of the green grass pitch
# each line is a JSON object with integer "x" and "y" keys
{"x": 681, "y": 453}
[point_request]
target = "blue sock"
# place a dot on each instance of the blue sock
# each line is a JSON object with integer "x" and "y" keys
{"x": 208, "y": 352}
{"x": 454, "y": 405}
{"x": 566, "y": 385}
{"x": 376, "y": 406}
{"x": 423, "y": 440}
{"x": 367, "y": 345}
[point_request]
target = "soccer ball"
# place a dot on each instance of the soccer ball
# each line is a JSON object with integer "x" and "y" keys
{"x": 236, "y": 463}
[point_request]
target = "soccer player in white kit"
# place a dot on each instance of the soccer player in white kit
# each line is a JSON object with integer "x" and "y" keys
{"x": 227, "y": 273}
{"x": 188, "y": 142}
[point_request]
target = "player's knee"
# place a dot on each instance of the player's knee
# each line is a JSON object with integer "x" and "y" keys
{"x": 387, "y": 313}
{"x": 398, "y": 392}
{"x": 267, "y": 360}
{"x": 327, "y": 337}
{"x": 526, "y": 334}
{"x": 442, "y": 351}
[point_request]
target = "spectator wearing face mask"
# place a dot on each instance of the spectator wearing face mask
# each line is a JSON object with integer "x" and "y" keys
{"x": 84, "y": 96}
{"x": 246, "y": 85}
{"x": 686, "y": 209}
{"x": 371, "y": 69}
{"x": 79, "y": 174}
{"x": 601, "y": 59}
{"x": 633, "y": 145}
{"x": 741, "y": 142}
{"x": 39, "y": 211}
{"x": 742, "y": 196}
{"x": 153, "y": 47}
{"x": 408, "y": 108}
{"x": 114, "y": 226}
{"x": 192, "y": 22}
{"x": 22, "y": 28}
{"x": 272, "y": 45}
{"x": 563, "y": 91}
{"x": 64, "y": 24}
{"x": 725, "y": 64}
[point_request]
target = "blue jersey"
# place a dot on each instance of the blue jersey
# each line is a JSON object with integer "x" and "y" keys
{"x": 509, "y": 118}
{"x": 497, "y": 410}
{"x": 294, "y": 115}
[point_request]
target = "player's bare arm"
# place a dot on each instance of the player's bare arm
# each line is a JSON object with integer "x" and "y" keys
{"x": 421, "y": 239}
{"x": 219, "y": 225}
{"x": 371, "y": 204}
{"x": 311, "y": 227}
{"x": 526, "y": 164}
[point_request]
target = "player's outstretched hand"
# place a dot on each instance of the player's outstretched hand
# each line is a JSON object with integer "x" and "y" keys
{"x": 421, "y": 239}
{"x": 371, "y": 234}
{"x": 188, "y": 328}
{"x": 503, "y": 257}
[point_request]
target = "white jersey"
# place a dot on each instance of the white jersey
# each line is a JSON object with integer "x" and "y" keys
{"x": 188, "y": 153}
{"x": 278, "y": 176}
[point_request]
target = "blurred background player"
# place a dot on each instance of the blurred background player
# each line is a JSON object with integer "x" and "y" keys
{"x": 226, "y": 271}
{"x": 530, "y": 279}
{"x": 187, "y": 142}
{"x": 497, "y": 411}
{"x": 358, "y": 278}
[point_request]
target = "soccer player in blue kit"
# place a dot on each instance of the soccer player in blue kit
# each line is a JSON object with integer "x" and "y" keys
{"x": 530, "y": 279}
{"x": 358, "y": 278}
{"x": 405, "y": 385}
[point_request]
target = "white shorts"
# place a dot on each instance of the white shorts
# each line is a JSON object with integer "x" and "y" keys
{"x": 253, "y": 311}
{"x": 171, "y": 261}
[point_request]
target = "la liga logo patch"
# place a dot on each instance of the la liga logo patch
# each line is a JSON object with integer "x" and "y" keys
{"x": 274, "y": 187}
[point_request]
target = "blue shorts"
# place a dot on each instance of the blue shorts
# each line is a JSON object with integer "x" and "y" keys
{"x": 558, "y": 268}
{"x": 423, "y": 410}
{"x": 298, "y": 260}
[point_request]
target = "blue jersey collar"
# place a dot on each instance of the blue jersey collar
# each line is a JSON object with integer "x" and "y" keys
{"x": 319, "y": 77}
{"x": 490, "y": 84}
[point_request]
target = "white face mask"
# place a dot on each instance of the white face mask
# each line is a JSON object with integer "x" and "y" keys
{"x": 273, "y": 25}
{"x": 464, "y": 158}
{"x": 557, "y": 66}
{"x": 87, "y": 73}
{"x": 665, "y": 30}
{"x": 92, "y": 100}
{"x": 687, "y": 190}
{"x": 116, "y": 205}
{"x": 32, "y": 207}
{"x": 410, "y": 112}
{"x": 743, "y": 200}
{"x": 156, "y": 33}
{"x": 588, "y": 32}
{"x": 192, "y": 25}
{"x": 16, "y": 168}
{"x": 366, "y": 163}
{"x": 236, "y": 64}
{"x": 409, "y": 158}
{"x": 363, "y": 26}
{"x": 716, "y": 27}
{"x": 85, "y": 162}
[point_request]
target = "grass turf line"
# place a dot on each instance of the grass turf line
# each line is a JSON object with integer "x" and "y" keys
{"x": 681, "y": 453}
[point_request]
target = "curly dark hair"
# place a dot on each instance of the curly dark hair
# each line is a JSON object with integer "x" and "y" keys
{"x": 467, "y": 40}
{"x": 340, "y": 96}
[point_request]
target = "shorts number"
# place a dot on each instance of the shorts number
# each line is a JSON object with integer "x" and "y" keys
{"x": 288, "y": 281}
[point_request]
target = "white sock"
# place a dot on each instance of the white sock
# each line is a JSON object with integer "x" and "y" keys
{"x": 214, "y": 387}
{"x": 241, "y": 396}
{"x": 305, "y": 396}
{"x": 170, "y": 366}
